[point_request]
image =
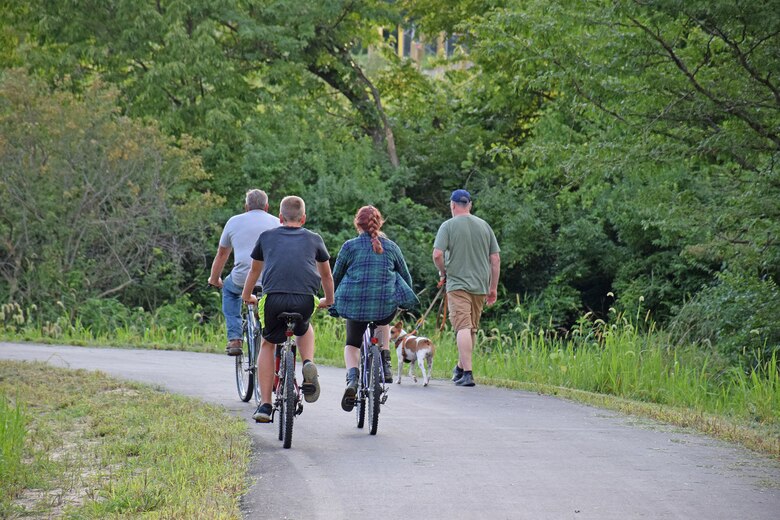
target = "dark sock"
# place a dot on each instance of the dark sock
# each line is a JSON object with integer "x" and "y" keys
{"x": 466, "y": 372}
{"x": 306, "y": 361}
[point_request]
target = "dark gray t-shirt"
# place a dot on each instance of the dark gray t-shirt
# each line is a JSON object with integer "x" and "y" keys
{"x": 290, "y": 256}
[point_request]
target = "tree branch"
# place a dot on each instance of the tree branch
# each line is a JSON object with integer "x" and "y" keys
{"x": 723, "y": 105}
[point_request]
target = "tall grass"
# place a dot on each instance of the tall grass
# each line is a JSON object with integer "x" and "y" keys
{"x": 143, "y": 330}
{"x": 627, "y": 358}
{"x": 624, "y": 361}
{"x": 12, "y": 436}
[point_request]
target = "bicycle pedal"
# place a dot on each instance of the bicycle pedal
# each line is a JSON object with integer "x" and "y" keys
{"x": 299, "y": 410}
{"x": 384, "y": 399}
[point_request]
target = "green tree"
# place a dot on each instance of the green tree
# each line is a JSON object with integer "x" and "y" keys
{"x": 92, "y": 204}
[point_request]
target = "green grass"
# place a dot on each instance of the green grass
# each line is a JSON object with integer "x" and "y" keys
{"x": 12, "y": 436}
{"x": 625, "y": 365}
{"x": 618, "y": 366}
{"x": 94, "y": 447}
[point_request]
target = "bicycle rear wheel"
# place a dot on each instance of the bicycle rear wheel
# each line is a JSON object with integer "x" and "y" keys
{"x": 245, "y": 381}
{"x": 360, "y": 398}
{"x": 288, "y": 398}
{"x": 374, "y": 390}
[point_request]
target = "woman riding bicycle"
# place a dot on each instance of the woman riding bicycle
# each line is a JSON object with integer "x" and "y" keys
{"x": 372, "y": 281}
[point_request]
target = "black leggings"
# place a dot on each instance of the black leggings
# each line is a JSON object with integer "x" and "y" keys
{"x": 356, "y": 329}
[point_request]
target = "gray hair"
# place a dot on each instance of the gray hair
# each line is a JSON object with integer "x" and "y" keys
{"x": 292, "y": 209}
{"x": 256, "y": 199}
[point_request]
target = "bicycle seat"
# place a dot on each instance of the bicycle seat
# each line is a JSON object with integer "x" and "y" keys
{"x": 294, "y": 316}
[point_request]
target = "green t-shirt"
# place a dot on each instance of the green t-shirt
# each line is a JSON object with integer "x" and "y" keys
{"x": 467, "y": 242}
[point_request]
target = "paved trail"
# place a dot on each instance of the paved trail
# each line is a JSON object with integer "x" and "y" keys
{"x": 444, "y": 452}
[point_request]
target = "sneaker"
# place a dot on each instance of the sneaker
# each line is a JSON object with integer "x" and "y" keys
{"x": 263, "y": 413}
{"x": 387, "y": 368}
{"x": 457, "y": 373}
{"x": 311, "y": 383}
{"x": 234, "y": 348}
{"x": 348, "y": 401}
{"x": 466, "y": 380}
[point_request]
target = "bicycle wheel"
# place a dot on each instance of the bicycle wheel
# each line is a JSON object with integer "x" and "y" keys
{"x": 245, "y": 382}
{"x": 374, "y": 390}
{"x": 288, "y": 398}
{"x": 360, "y": 398}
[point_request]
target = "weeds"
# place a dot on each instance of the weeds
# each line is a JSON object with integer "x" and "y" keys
{"x": 12, "y": 435}
{"x": 97, "y": 448}
{"x": 626, "y": 358}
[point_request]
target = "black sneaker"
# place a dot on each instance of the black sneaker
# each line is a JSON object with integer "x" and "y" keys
{"x": 387, "y": 368}
{"x": 348, "y": 401}
{"x": 311, "y": 383}
{"x": 466, "y": 380}
{"x": 263, "y": 413}
{"x": 457, "y": 373}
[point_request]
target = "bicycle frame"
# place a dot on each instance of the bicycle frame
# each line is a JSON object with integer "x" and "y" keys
{"x": 287, "y": 393}
{"x": 372, "y": 390}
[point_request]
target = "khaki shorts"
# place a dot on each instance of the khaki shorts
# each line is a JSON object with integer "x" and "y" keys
{"x": 465, "y": 309}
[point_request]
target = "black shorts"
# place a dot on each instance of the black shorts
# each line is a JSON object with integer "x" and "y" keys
{"x": 356, "y": 329}
{"x": 277, "y": 303}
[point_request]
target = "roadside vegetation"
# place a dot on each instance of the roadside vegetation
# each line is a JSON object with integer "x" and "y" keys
{"x": 78, "y": 444}
{"x": 624, "y": 364}
{"x": 627, "y": 155}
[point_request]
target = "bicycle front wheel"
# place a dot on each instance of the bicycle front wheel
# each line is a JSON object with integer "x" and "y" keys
{"x": 374, "y": 390}
{"x": 288, "y": 398}
{"x": 245, "y": 381}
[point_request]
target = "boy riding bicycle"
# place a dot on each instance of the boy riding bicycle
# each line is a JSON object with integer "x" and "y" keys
{"x": 294, "y": 264}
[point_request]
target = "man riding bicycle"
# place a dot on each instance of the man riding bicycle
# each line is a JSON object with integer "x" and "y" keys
{"x": 294, "y": 264}
{"x": 239, "y": 236}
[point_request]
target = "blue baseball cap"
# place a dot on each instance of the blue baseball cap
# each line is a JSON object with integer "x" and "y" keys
{"x": 461, "y": 196}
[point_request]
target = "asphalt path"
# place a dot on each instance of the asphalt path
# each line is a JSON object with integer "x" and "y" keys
{"x": 445, "y": 452}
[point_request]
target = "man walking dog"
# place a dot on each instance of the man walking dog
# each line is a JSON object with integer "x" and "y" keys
{"x": 467, "y": 255}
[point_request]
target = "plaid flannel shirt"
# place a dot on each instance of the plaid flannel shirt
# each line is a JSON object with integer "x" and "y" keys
{"x": 371, "y": 286}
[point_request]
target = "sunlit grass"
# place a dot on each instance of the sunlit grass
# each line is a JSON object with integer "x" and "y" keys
{"x": 98, "y": 448}
{"x": 627, "y": 359}
{"x": 12, "y": 435}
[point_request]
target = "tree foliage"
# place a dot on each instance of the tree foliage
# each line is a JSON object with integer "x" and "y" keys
{"x": 92, "y": 204}
{"x": 625, "y": 152}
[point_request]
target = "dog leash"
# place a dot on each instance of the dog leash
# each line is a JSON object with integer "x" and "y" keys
{"x": 425, "y": 315}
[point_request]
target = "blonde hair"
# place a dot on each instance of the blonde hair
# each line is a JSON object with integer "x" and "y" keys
{"x": 292, "y": 209}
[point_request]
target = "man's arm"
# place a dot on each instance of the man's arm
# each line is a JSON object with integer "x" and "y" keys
{"x": 495, "y": 268}
{"x": 215, "y": 278}
{"x": 438, "y": 261}
{"x": 251, "y": 280}
{"x": 327, "y": 284}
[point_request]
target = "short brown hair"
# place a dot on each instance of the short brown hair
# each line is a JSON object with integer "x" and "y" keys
{"x": 292, "y": 209}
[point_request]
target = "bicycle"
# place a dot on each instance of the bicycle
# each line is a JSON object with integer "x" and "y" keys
{"x": 372, "y": 391}
{"x": 247, "y": 383}
{"x": 287, "y": 393}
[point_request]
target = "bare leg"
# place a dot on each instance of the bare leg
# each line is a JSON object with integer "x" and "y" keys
{"x": 383, "y": 334}
{"x": 465, "y": 347}
{"x": 306, "y": 344}
{"x": 265, "y": 369}
{"x": 351, "y": 356}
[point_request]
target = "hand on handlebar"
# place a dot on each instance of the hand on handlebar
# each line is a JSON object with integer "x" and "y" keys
{"x": 252, "y": 300}
{"x": 324, "y": 303}
{"x": 216, "y": 283}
